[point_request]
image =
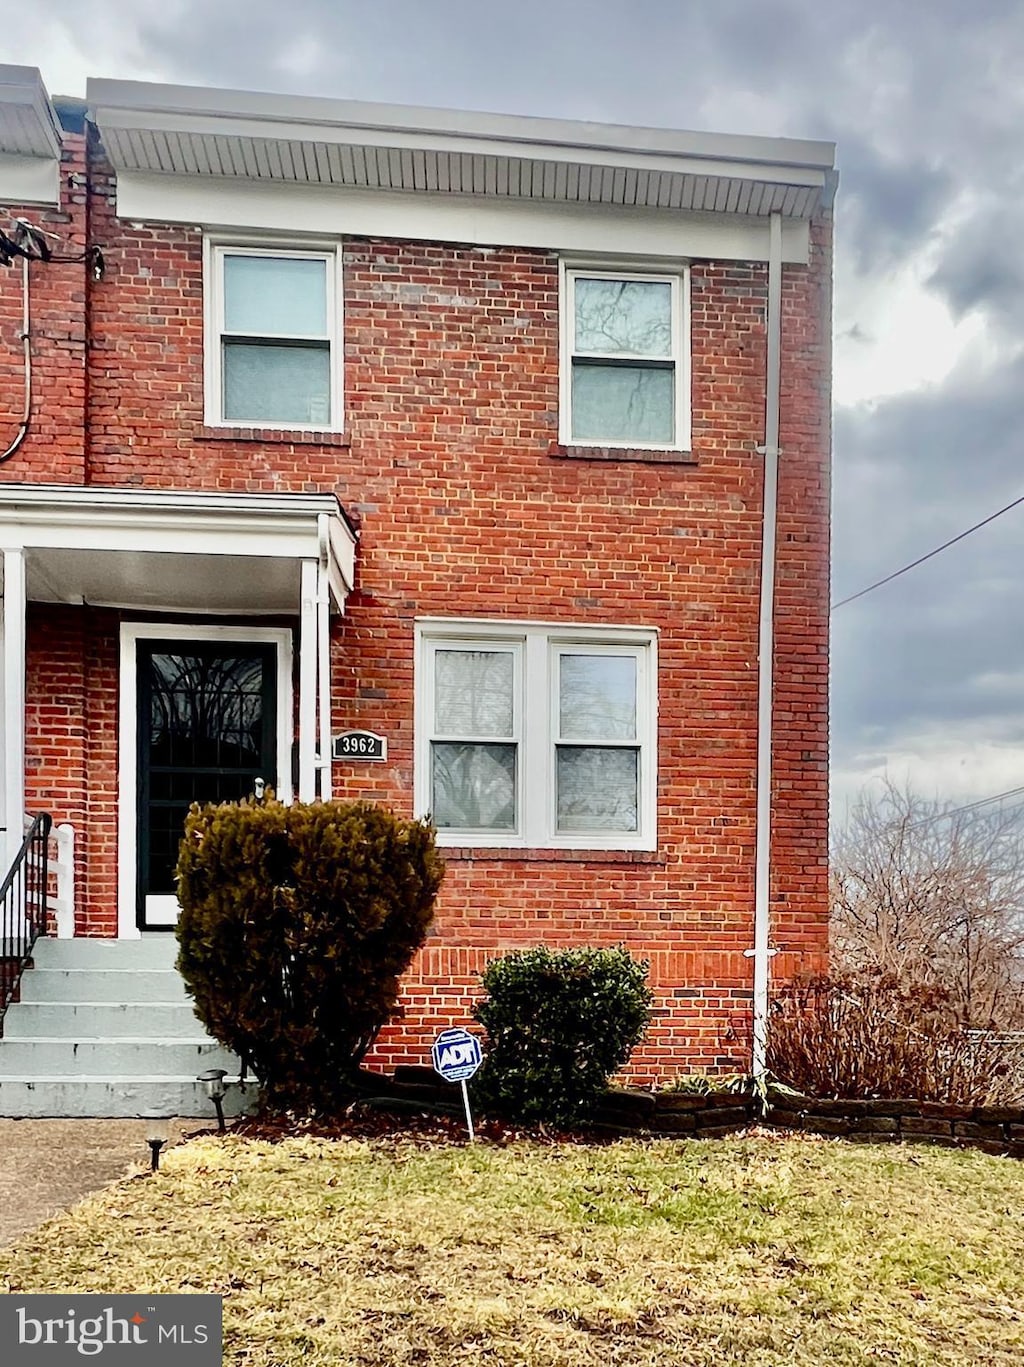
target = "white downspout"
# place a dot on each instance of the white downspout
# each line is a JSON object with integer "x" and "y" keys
{"x": 762, "y": 951}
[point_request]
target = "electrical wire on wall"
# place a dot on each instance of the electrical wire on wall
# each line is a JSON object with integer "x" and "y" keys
{"x": 27, "y": 243}
{"x": 26, "y": 341}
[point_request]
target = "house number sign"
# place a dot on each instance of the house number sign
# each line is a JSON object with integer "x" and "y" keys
{"x": 360, "y": 745}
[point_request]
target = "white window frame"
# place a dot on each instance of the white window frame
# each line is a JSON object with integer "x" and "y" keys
{"x": 215, "y": 249}
{"x": 678, "y": 277}
{"x": 536, "y": 710}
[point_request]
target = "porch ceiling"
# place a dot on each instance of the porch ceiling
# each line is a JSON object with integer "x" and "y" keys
{"x": 173, "y": 551}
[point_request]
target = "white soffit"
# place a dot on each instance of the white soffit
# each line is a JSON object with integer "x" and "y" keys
{"x": 289, "y": 141}
{"x": 29, "y": 138}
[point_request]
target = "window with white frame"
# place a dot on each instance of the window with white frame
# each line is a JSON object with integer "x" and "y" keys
{"x": 273, "y": 353}
{"x": 625, "y": 372}
{"x": 537, "y": 736}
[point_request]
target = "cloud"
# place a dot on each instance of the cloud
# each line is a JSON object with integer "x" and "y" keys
{"x": 932, "y": 664}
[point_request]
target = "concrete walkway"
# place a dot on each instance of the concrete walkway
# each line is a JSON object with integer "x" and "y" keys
{"x": 48, "y": 1165}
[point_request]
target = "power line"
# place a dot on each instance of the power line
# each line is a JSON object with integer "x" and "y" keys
{"x": 922, "y": 558}
{"x": 967, "y": 807}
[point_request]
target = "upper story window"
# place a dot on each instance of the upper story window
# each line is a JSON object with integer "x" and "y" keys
{"x": 537, "y": 736}
{"x": 625, "y": 363}
{"x": 272, "y": 346}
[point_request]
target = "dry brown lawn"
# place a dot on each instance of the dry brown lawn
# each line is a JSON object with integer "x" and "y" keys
{"x": 751, "y": 1251}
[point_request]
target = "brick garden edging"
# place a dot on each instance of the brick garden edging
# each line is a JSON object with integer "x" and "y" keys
{"x": 625, "y": 1111}
{"x": 993, "y": 1129}
{"x": 675, "y": 1114}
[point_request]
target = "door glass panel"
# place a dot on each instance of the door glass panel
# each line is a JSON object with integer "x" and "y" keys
{"x": 206, "y": 719}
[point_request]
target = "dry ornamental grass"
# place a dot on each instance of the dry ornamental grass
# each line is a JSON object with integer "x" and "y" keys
{"x": 401, "y": 1251}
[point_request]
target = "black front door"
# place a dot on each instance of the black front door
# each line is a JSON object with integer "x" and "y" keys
{"x": 206, "y": 732}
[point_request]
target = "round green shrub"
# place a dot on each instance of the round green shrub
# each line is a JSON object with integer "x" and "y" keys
{"x": 559, "y": 1023}
{"x": 296, "y": 925}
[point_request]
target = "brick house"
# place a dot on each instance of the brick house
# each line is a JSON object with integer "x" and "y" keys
{"x": 461, "y": 430}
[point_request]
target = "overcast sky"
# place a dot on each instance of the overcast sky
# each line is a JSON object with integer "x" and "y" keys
{"x": 925, "y": 99}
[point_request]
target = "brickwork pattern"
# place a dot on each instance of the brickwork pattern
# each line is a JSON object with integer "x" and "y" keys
{"x": 993, "y": 1129}
{"x": 451, "y": 404}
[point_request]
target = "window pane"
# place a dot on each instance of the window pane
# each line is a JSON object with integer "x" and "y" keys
{"x": 597, "y": 788}
{"x": 623, "y": 403}
{"x": 277, "y": 383}
{"x": 275, "y": 294}
{"x": 473, "y": 787}
{"x": 597, "y": 697}
{"x": 624, "y": 316}
{"x": 473, "y": 692}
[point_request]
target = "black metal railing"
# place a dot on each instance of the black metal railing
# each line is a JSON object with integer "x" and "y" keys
{"x": 23, "y": 899}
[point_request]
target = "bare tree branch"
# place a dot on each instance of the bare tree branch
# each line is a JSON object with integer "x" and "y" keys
{"x": 930, "y": 894}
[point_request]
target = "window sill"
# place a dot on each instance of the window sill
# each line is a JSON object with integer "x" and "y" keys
{"x": 622, "y": 453}
{"x": 515, "y": 854}
{"x": 266, "y": 435}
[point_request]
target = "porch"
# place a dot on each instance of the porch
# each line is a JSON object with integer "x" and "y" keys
{"x": 215, "y": 597}
{"x": 211, "y": 604}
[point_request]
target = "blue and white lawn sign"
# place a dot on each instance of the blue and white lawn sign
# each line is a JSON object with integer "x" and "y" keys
{"x": 457, "y": 1055}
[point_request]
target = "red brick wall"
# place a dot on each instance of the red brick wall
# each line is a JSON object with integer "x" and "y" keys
{"x": 54, "y": 450}
{"x": 466, "y": 509}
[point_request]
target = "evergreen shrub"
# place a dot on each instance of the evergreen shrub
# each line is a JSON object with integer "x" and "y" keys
{"x": 559, "y": 1023}
{"x": 296, "y": 925}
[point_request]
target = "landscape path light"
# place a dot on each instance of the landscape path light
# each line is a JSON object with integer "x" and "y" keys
{"x": 156, "y": 1138}
{"x": 213, "y": 1081}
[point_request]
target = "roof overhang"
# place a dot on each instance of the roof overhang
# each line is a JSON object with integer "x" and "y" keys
{"x": 30, "y": 141}
{"x": 161, "y": 550}
{"x": 234, "y": 135}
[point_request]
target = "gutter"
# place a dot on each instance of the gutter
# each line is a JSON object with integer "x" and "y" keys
{"x": 762, "y": 952}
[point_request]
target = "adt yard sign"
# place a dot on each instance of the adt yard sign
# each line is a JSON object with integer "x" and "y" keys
{"x": 457, "y": 1056}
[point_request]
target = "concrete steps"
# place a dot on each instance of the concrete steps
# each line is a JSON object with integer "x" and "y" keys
{"x": 105, "y": 1028}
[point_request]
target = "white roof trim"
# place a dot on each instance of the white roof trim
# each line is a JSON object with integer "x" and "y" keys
{"x": 29, "y": 126}
{"x": 172, "y": 523}
{"x": 168, "y": 501}
{"x": 212, "y": 104}
{"x": 181, "y": 130}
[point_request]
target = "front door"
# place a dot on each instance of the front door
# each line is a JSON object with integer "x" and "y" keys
{"x": 206, "y": 732}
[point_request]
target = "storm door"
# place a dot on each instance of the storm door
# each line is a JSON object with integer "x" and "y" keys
{"x": 206, "y": 732}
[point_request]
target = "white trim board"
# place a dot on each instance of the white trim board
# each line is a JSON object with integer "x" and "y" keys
{"x": 226, "y": 205}
{"x": 29, "y": 180}
{"x": 127, "y": 739}
{"x": 198, "y": 110}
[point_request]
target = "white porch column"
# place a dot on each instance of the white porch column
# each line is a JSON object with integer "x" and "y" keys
{"x": 323, "y": 669}
{"x": 307, "y": 681}
{"x": 13, "y": 703}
